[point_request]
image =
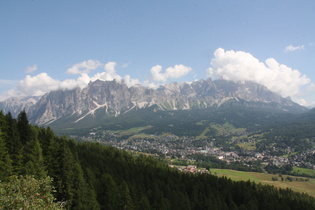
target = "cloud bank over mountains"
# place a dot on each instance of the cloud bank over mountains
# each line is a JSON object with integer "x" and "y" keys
{"x": 242, "y": 66}
{"x": 229, "y": 65}
{"x": 171, "y": 72}
{"x": 84, "y": 67}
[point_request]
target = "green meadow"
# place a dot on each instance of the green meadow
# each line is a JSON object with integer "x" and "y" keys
{"x": 302, "y": 171}
{"x": 264, "y": 178}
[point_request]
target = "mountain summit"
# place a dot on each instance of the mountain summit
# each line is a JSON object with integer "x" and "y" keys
{"x": 116, "y": 98}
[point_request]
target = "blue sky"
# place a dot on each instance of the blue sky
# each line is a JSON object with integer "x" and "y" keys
{"x": 46, "y": 45}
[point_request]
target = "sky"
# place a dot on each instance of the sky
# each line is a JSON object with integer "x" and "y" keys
{"x": 47, "y": 45}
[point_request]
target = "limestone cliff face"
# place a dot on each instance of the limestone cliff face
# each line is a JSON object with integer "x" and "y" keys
{"x": 116, "y": 98}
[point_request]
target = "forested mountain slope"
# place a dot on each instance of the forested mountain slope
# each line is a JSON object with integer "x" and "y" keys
{"x": 92, "y": 176}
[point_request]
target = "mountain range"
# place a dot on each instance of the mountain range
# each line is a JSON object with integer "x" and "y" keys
{"x": 108, "y": 99}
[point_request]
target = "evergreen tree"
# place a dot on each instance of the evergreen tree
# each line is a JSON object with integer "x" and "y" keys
{"x": 126, "y": 201}
{"x": 144, "y": 203}
{"x": 24, "y": 127}
{"x": 108, "y": 192}
{"x": 14, "y": 144}
{"x": 33, "y": 158}
{"x": 63, "y": 173}
{"x": 84, "y": 196}
{"x": 70, "y": 182}
{"x": 93, "y": 176}
{"x": 5, "y": 161}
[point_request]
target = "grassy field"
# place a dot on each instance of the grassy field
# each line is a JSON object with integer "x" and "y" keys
{"x": 135, "y": 130}
{"x": 298, "y": 186}
{"x": 301, "y": 171}
{"x": 247, "y": 145}
{"x": 225, "y": 129}
{"x": 203, "y": 134}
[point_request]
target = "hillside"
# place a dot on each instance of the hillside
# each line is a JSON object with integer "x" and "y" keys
{"x": 92, "y": 176}
{"x": 283, "y": 181}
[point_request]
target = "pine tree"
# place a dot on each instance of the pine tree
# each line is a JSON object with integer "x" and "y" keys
{"x": 14, "y": 144}
{"x": 126, "y": 199}
{"x": 63, "y": 173}
{"x": 5, "y": 161}
{"x": 84, "y": 196}
{"x": 33, "y": 157}
{"x": 24, "y": 127}
{"x": 108, "y": 192}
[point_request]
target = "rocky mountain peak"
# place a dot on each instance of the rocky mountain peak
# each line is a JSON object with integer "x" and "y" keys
{"x": 116, "y": 98}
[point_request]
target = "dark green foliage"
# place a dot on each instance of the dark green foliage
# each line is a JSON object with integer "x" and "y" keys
{"x": 151, "y": 183}
{"x": 297, "y": 134}
{"x": 5, "y": 161}
{"x": 33, "y": 158}
{"x": 93, "y": 176}
{"x": 26, "y": 192}
{"x": 178, "y": 122}
{"x": 24, "y": 128}
{"x": 13, "y": 142}
{"x": 30, "y": 150}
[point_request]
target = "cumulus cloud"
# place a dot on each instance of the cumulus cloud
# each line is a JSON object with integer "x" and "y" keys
{"x": 131, "y": 82}
{"x": 156, "y": 75}
{"x": 42, "y": 83}
{"x": 291, "y": 48}
{"x": 9, "y": 94}
{"x": 150, "y": 84}
{"x": 109, "y": 74}
{"x": 69, "y": 84}
{"x": 242, "y": 66}
{"x": 171, "y": 72}
{"x": 84, "y": 67}
{"x": 311, "y": 88}
{"x": 37, "y": 85}
{"x": 31, "y": 69}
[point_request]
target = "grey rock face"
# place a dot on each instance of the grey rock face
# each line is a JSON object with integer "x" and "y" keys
{"x": 117, "y": 98}
{"x": 16, "y": 105}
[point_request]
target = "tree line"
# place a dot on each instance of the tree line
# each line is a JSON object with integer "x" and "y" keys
{"x": 86, "y": 175}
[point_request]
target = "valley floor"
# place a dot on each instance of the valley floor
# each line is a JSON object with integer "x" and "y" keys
{"x": 306, "y": 186}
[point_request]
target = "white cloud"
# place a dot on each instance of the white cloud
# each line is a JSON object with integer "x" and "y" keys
{"x": 37, "y": 85}
{"x": 229, "y": 65}
{"x": 9, "y": 94}
{"x": 171, "y": 72}
{"x": 109, "y": 74}
{"x": 311, "y": 88}
{"x": 84, "y": 67}
{"x": 8, "y": 82}
{"x": 69, "y": 84}
{"x": 110, "y": 67}
{"x": 31, "y": 69}
{"x": 291, "y": 48}
{"x": 42, "y": 83}
{"x": 156, "y": 75}
{"x": 150, "y": 84}
{"x": 240, "y": 66}
{"x": 130, "y": 82}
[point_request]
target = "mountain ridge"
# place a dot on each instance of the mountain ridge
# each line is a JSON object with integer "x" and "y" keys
{"x": 116, "y": 98}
